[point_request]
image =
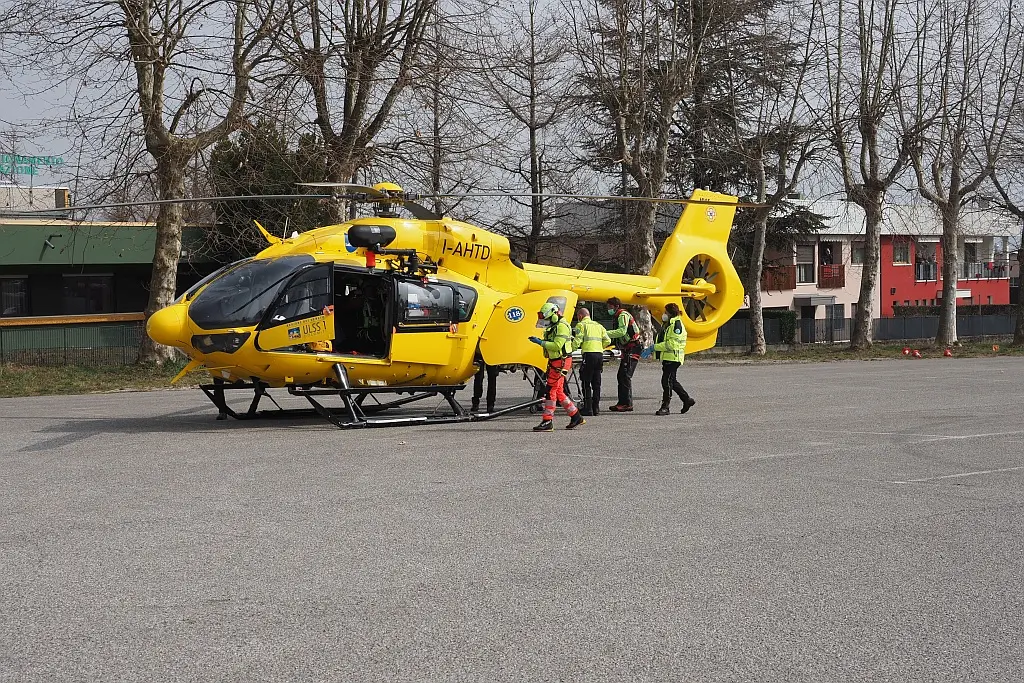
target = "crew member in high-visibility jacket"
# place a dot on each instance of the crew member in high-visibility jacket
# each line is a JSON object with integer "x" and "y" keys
{"x": 626, "y": 335}
{"x": 671, "y": 348}
{"x": 591, "y": 338}
{"x": 557, "y": 345}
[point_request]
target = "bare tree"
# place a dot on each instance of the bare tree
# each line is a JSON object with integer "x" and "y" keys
{"x": 865, "y": 55}
{"x": 1008, "y": 178}
{"x": 969, "y": 87}
{"x": 526, "y": 77}
{"x": 775, "y": 133}
{"x": 179, "y": 58}
{"x": 637, "y": 60}
{"x": 356, "y": 57}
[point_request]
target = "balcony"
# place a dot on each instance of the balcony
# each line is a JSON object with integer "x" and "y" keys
{"x": 831, "y": 277}
{"x": 971, "y": 270}
{"x": 925, "y": 271}
{"x": 778, "y": 278}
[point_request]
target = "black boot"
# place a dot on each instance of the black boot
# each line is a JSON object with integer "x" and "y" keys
{"x": 687, "y": 404}
{"x": 490, "y": 407}
{"x": 475, "y": 406}
{"x": 544, "y": 426}
{"x": 663, "y": 410}
{"x": 576, "y": 420}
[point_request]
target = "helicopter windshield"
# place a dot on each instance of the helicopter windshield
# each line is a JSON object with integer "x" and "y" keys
{"x": 241, "y": 296}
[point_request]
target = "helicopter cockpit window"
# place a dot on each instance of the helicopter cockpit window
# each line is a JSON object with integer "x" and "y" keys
{"x": 191, "y": 291}
{"x": 241, "y": 296}
{"x": 426, "y": 304}
{"x": 465, "y": 300}
{"x": 309, "y": 293}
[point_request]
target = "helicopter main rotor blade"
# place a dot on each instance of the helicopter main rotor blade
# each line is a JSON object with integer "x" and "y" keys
{"x": 420, "y": 212}
{"x": 183, "y": 200}
{"x": 370, "y": 192}
{"x": 655, "y": 200}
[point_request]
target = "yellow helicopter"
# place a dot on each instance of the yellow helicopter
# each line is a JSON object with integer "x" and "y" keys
{"x": 401, "y": 307}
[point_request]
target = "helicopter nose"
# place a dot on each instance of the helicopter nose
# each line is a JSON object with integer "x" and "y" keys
{"x": 168, "y": 327}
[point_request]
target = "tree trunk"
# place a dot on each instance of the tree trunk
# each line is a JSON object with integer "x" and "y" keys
{"x": 758, "y": 346}
{"x": 946, "y": 335}
{"x": 164, "y": 280}
{"x": 640, "y": 258}
{"x": 536, "y": 213}
{"x": 862, "y": 332}
{"x": 1018, "y": 332}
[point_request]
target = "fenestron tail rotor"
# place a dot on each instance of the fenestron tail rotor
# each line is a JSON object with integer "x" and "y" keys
{"x": 700, "y": 271}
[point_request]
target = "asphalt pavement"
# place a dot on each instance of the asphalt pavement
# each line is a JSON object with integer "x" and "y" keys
{"x": 847, "y": 521}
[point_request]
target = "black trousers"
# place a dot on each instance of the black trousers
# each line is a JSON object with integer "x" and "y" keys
{"x": 627, "y": 365}
{"x": 590, "y": 378}
{"x": 669, "y": 383}
{"x": 492, "y": 384}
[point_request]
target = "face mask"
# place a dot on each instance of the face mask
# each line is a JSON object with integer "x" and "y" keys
{"x": 611, "y": 311}
{"x": 664, "y": 317}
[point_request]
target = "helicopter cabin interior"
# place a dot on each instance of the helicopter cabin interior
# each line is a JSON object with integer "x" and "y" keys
{"x": 368, "y": 307}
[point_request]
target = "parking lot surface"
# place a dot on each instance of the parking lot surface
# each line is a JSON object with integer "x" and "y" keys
{"x": 848, "y": 521}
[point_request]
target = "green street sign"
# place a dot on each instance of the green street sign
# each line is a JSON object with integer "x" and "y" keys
{"x": 19, "y": 164}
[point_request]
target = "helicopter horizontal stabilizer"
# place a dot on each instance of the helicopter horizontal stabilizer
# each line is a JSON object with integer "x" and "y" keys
{"x": 192, "y": 365}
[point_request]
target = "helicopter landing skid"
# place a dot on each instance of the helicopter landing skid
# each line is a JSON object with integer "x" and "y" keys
{"x": 353, "y": 414}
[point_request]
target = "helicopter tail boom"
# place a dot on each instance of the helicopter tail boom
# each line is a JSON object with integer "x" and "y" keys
{"x": 692, "y": 269}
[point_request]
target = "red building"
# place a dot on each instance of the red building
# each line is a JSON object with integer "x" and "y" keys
{"x": 910, "y": 271}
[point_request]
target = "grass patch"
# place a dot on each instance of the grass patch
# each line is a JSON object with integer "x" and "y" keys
{"x": 41, "y": 380}
{"x": 825, "y": 353}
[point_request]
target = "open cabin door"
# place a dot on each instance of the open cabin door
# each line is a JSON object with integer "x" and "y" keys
{"x": 302, "y": 317}
{"x": 505, "y": 340}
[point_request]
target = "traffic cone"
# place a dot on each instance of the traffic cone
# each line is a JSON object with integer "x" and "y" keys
{"x": 906, "y": 350}
{"x": 916, "y": 353}
{"x": 948, "y": 353}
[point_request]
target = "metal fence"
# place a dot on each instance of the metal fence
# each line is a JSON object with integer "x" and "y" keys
{"x": 736, "y": 332}
{"x": 75, "y": 344}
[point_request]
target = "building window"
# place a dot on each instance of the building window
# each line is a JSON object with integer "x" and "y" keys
{"x": 857, "y": 253}
{"x": 804, "y": 263}
{"x": 971, "y": 252}
{"x": 88, "y": 294}
{"x": 13, "y": 297}
{"x": 901, "y": 251}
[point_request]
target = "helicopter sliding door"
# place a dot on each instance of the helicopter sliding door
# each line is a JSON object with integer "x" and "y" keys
{"x": 505, "y": 340}
{"x": 426, "y": 321}
{"x": 301, "y": 319}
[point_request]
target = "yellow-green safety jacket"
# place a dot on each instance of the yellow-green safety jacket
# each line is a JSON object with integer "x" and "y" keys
{"x": 590, "y": 336}
{"x": 626, "y": 330}
{"x": 557, "y": 340}
{"x": 672, "y": 340}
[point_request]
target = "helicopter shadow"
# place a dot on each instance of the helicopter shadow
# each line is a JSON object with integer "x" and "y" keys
{"x": 68, "y": 430}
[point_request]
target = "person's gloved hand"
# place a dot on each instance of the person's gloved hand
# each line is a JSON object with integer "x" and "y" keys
{"x": 646, "y": 353}
{"x": 536, "y": 340}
